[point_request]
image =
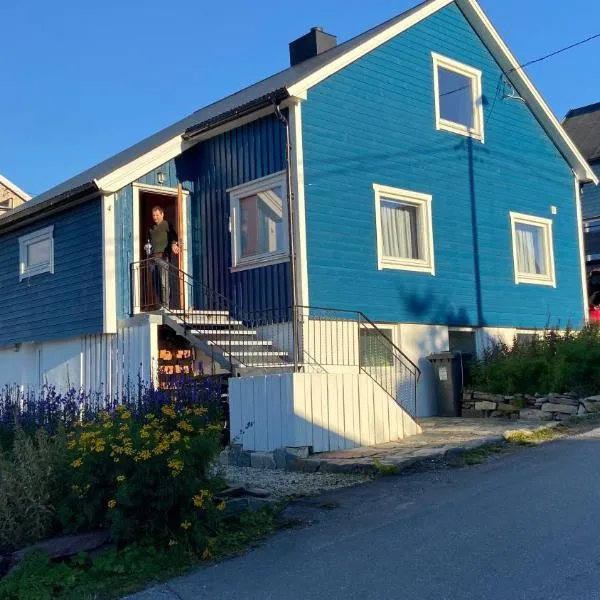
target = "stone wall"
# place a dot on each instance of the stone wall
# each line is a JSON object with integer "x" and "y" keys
{"x": 547, "y": 407}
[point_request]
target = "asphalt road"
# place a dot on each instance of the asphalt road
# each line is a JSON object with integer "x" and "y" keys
{"x": 525, "y": 525}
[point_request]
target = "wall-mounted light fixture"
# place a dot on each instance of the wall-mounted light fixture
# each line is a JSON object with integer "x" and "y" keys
{"x": 160, "y": 177}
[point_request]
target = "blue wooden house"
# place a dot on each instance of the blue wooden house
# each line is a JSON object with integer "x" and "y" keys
{"x": 402, "y": 193}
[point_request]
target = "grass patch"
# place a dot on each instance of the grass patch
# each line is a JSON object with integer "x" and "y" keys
{"x": 476, "y": 456}
{"x": 527, "y": 437}
{"x": 384, "y": 470}
{"x": 115, "y": 573}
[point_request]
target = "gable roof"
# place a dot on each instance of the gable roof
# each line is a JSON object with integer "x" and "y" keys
{"x": 14, "y": 189}
{"x": 583, "y": 125}
{"x": 296, "y": 80}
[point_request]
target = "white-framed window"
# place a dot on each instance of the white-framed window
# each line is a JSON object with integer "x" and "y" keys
{"x": 374, "y": 350}
{"x": 36, "y": 253}
{"x": 458, "y": 97}
{"x": 533, "y": 251}
{"x": 259, "y": 222}
{"x": 404, "y": 230}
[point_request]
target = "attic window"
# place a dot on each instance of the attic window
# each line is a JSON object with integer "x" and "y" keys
{"x": 457, "y": 89}
{"x": 36, "y": 253}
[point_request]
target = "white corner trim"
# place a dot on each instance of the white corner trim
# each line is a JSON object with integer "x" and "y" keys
{"x": 298, "y": 190}
{"x": 580, "y": 240}
{"x": 510, "y": 65}
{"x": 14, "y": 188}
{"x": 548, "y": 279}
{"x": 109, "y": 266}
{"x": 423, "y": 202}
{"x": 250, "y": 188}
{"x": 25, "y": 271}
{"x": 475, "y": 76}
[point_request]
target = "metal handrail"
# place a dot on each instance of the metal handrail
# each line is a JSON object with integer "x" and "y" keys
{"x": 296, "y": 337}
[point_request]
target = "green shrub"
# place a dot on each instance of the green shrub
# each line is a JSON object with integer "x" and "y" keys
{"x": 552, "y": 362}
{"x": 32, "y": 477}
{"x": 145, "y": 478}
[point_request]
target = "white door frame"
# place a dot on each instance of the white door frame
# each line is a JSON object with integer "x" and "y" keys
{"x": 183, "y": 235}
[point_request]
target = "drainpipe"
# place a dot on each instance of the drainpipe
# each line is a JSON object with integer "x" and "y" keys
{"x": 291, "y": 236}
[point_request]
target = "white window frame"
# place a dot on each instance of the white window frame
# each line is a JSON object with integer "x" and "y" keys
{"x": 248, "y": 189}
{"x": 546, "y": 224}
{"x": 475, "y": 75}
{"x": 423, "y": 203}
{"x": 25, "y": 272}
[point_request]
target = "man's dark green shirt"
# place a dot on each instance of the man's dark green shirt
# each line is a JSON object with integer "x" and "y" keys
{"x": 162, "y": 235}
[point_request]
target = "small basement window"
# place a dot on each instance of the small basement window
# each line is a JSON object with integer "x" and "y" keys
{"x": 533, "y": 252}
{"x": 259, "y": 222}
{"x": 36, "y": 253}
{"x": 458, "y": 97}
{"x": 375, "y": 350}
{"x": 404, "y": 230}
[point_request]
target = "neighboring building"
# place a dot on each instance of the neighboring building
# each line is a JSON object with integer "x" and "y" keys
{"x": 418, "y": 192}
{"x": 583, "y": 126}
{"x": 10, "y": 196}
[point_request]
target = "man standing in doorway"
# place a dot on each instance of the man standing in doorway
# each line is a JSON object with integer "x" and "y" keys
{"x": 163, "y": 241}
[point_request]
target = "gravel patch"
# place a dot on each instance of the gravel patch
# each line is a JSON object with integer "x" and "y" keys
{"x": 283, "y": 484}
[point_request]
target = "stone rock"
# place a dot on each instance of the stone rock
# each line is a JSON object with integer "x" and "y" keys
{"x": 257, "y": 503}
{"x": 467, "y": 395}
{"x": 262, "y": 460}
{"x": 65, "y": 546}
{"x": 508, "y": 408}
{"x": 257, "y": 492}
{"x": 564, "y": 400}
{"x": 593, "y": 398}
{"x": 299, "y": 452}
{"x": 485, "y": 405}
{"x": 234, "y": 506}
{"x": 481, "y": 396}
{"x": 308, "y": 465}
{"x": 470, "y": 413}
{"x": 233, "y": 491}
{"x": 590, "y": 406}
{"x": 567, "y": 409}
{"x": 533, "y": 414}
{"x": 581, "y": 410}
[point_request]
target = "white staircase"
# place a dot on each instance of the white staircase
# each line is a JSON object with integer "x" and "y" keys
{"x": 228, "y": 341}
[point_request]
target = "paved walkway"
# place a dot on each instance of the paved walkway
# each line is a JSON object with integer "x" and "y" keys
{"x": 440, "y": 438}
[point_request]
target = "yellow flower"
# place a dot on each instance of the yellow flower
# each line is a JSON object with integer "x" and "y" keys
{"x": 176, "y": 466}
{"x": 185, "y": 426}
{"x": 175, "y": 436}
{"x": 112, "y": 503}
{"x": 144, "y": 433}
{"x": 71, "y": 444}
{"x": 120, "y": 478}
{"x": 172, "y": 543}
{"x": 221, "y": 505}
{"x": 125, "y": 414}
{"x": 76, "y": 463}
{"x": 168, "y": 411}
{"x": 200, "y": 498}
{"x": 186, "y": 525}
{"x": 144, "y": 454}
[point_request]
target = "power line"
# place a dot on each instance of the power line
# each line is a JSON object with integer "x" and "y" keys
{"x": 536, "y": 60}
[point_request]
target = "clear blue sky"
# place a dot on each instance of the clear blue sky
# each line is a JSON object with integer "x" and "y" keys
{"x": 81, "y": 80}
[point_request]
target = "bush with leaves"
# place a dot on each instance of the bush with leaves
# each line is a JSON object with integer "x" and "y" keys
{"x": 554, "y": 361}
{"x": 145, "y": 477}
{"x": 32, "y": 480}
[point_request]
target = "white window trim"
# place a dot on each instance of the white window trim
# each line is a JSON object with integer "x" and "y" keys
{"x": 423, "y": 201}
{"x": 475, "y": 75}
{"x": 248, "y": 189}
{"x": 24, "y": 242}
{"x": 546, "y": 225}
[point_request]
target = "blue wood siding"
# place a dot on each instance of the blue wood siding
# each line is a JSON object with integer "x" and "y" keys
{"x": 373, "y": 122}
{"x": 207, "y": 170}
{"x": 591, "y": 197}
{"x": 67, "y": 303}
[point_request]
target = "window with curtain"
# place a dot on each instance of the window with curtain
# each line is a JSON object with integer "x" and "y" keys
{"x": 458, "y": 97}
{"x": 36, "y": 253}
{"x": 259, "y": 221}
{"x": 404, "y": 229}
{"x": 532, "y": 249}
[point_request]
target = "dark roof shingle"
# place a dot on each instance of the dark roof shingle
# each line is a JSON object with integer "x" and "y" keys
{"x": 583, "y": 126}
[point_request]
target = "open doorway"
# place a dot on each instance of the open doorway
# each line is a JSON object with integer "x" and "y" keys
{"x": 153, "y": 276}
